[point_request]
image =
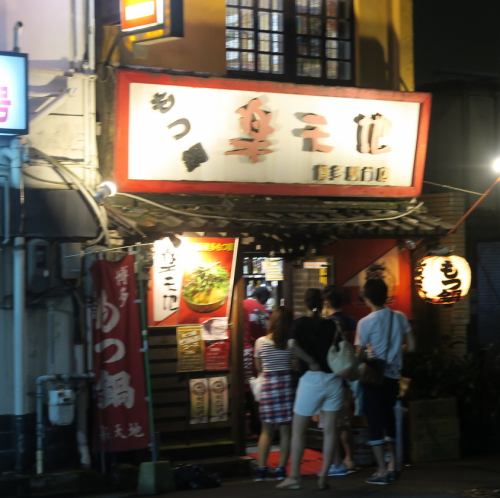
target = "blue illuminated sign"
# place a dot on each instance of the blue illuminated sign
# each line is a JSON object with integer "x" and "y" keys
{"x": 13, "y": 93}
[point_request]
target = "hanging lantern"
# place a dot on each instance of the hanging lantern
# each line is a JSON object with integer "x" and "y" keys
{"x": 442, "y": 279}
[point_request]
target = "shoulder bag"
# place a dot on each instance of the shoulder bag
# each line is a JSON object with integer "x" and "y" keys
{"x": 341, "y": 357}
{"x": 256, "y": 386}
{"x": 371, "y": 370}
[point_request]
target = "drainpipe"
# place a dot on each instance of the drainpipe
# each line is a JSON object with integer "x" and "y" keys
{"x": 14, "y": 154}
{"x": 73, "y": 36}
{"x": 40, "y": 426}
{"x": 17, "y": 29}
{"x": 5, "y": 182}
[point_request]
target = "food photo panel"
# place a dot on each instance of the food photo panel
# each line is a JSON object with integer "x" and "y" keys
{"x": 207, "y": 278}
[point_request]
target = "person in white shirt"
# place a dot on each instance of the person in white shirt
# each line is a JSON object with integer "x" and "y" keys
{"x": 384, "y": 334}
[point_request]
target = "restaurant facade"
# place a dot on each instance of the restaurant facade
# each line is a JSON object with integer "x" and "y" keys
{"x": 226, "y": 160}
{"x": 253, "y": 142}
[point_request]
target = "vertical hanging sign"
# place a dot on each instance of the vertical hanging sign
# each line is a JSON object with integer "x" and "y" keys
{"x": 122, "y": 417}
{"x": 167, "y": 276}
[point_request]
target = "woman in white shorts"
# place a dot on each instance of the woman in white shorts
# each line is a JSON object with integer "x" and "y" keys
{"x": 319, "y": 390}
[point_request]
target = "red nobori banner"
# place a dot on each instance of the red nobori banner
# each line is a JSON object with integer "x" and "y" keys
{"x": 121, "y": 411}
{"x": 220, "y": 135}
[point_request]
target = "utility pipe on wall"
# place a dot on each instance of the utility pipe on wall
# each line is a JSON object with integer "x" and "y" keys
{"x": 14, "y": 154}
{"x": 40, "y": 426}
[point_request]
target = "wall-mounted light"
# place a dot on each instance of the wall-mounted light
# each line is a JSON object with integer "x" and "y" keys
{"x": 442, "y": 279}
{"x": 104, "y": 189}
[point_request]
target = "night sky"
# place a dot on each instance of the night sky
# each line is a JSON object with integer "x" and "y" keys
{"x": 456, "y": 40}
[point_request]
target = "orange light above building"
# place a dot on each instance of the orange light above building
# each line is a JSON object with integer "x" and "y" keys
{"x": 139, "y": 15}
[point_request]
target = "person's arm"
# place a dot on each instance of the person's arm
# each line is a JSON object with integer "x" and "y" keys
{"x": 302, "y": 355}
{"x": 258, "y": 365}
{"x": 257, "y": 361}
{"x": 408, "y": 343}
{"x": 358, "y": 345}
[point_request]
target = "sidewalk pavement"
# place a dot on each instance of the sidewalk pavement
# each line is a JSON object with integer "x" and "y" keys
{"x": 466, "y": 478}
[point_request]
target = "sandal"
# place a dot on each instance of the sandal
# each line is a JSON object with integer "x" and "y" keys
{"x": 289, "y": 483}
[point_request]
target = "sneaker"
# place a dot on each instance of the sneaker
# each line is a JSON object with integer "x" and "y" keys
{"x": 279, "y": 473}
{"x": 380, "y": 480}
{"x": 337, "y": 470}
{"x": 260, "y": 474}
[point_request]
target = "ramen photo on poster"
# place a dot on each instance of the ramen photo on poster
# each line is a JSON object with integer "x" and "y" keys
{"x": 207, "y": 278}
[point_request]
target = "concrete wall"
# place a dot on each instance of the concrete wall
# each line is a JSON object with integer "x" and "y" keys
{"x": 384, "y": 44}
{"x": 202, "y": 47}
{"x": 47, "y": 34}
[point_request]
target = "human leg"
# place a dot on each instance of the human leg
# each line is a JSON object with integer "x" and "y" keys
{"x": 285, "y": 431}
{"x": 299, "y": 426}
{"x": 374, "y": 411}
{"x": 329, "y": 444}
{"x": 390, "y": 392}
{"x": 264, "y": 443}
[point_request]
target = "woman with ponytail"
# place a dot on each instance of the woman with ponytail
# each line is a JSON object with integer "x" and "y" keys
{"x": 319, "y": 390}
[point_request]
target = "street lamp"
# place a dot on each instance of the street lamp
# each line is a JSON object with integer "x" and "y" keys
{"x": 495, "y": 166}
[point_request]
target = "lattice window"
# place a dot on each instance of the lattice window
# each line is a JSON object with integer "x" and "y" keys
{"x": 290, "y": 39}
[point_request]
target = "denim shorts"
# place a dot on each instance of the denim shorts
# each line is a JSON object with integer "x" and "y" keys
{"x": 318, "y": 391}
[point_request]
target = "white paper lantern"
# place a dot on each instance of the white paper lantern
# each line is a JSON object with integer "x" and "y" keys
{"x": 442, "y": 279}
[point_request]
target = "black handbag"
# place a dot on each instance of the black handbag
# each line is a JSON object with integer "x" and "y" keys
{"x": 371, "y": 370}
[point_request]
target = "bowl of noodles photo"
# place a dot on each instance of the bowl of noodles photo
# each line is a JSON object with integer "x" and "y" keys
{"x": 206, "y": 288}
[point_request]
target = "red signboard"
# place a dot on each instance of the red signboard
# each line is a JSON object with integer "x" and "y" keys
{"x": 220, "y": 135}
{"x": 121, "y": 412}
{"x": 217, "y": 355}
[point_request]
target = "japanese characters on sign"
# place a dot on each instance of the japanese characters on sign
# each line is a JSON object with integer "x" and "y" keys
{"x": 209, "y": 400}
{"x": 260, "y": 136}
{"x": 167, "y": 276}
{"x": 121, "y": 418}
{"x": 442, "y": 279}
{"x": 217, "y": 355}
{"x": 199, "y": 396}
{"x": 190, "y": 349}
{"x": 218, "y": 399}
{"x": 13, "y": 93}
{"x": 193, "y": 282}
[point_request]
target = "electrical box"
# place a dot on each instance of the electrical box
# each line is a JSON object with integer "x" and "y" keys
{"x": 71, "y": 260}
{"x": 37, "y": 265}
{"x": 61, "y": 406}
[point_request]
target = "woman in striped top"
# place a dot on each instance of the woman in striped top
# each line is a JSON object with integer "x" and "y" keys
{"x": 274, "y": 361}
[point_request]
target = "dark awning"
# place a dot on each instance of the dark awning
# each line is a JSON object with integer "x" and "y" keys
{"x": 277, "y": 223}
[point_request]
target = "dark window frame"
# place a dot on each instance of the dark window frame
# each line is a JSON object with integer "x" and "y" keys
{"x": 290, "y": 43}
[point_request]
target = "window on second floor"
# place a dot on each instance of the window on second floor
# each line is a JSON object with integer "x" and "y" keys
{"x": 294, "y": 40}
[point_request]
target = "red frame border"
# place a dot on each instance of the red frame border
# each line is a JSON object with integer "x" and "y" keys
{"x": 125, "y": 77}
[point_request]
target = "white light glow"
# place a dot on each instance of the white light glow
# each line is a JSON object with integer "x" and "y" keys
{"x": 495, "y": 165}
{"x": 110, "y": 186}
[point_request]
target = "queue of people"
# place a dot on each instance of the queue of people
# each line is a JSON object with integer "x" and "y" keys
{"x": 289, "y": 348}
